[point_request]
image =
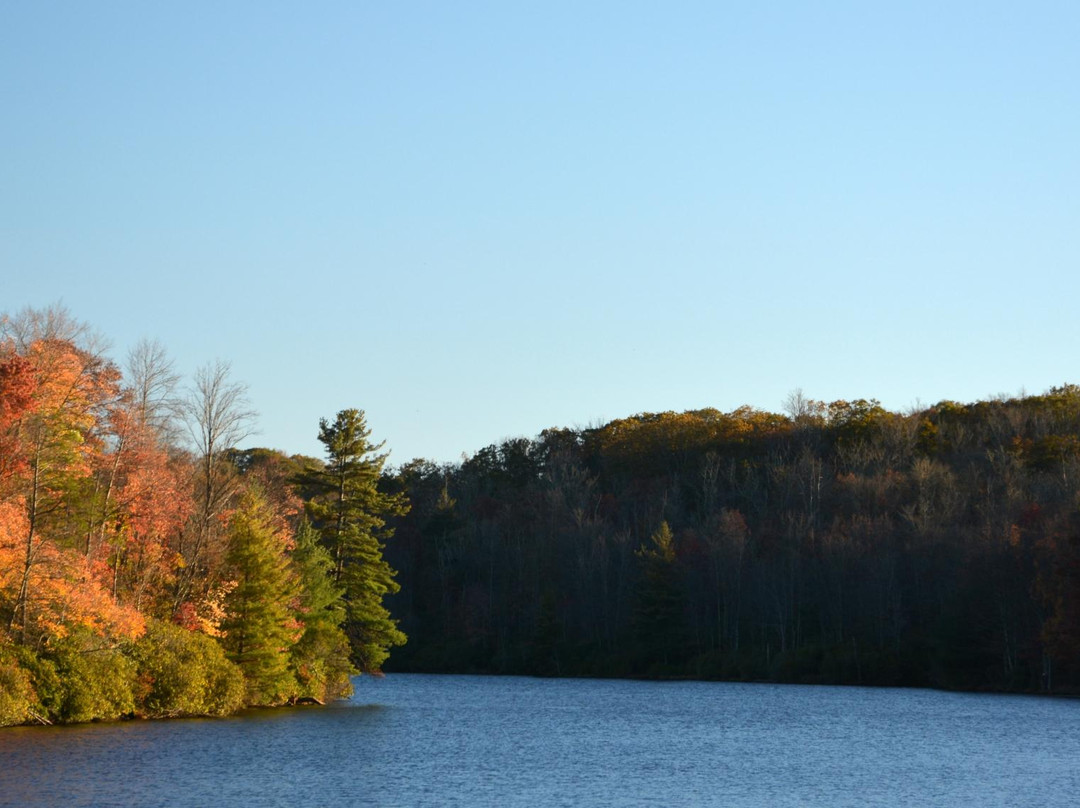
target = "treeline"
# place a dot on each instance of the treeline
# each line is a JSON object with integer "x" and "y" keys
{"x": 150, "y": 568}
{"x": 834, "y": 543}
{"x": 147, "y": 566}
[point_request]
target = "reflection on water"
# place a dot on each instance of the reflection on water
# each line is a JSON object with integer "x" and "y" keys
{"x": 459, "y": 740}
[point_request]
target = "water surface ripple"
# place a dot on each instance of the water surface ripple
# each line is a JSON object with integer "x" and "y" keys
{"x": 413, "y": 740}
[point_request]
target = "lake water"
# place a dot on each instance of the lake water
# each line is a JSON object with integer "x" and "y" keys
{"x": 484, "y": 741}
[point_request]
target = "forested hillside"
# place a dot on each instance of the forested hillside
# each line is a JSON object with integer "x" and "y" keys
{"x": 835, "y": 542}
{"x": 147, "y": 566}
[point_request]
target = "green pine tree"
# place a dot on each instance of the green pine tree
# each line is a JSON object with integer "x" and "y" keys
{"x": 320, "y": 658}
{"x": 350, "y": 513}
{"x": 259, "y": 626}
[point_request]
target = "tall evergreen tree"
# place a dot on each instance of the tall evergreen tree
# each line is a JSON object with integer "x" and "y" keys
{"x": 259, "y": 627}
{"x": 350, "y": 513}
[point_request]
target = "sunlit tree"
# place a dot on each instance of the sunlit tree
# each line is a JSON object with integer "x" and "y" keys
{"x": 351, "y": 515}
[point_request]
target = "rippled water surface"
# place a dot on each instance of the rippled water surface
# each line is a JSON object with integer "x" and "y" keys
{"x": 478, "y": 741}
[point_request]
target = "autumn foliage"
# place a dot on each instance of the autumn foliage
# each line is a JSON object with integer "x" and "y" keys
{"x": 129, "y": 566}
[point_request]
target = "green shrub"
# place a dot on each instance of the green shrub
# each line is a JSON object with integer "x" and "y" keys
{"x": 48, "y": 689}
{"x": 97, "y": 682}
{"x": 78, "y": 680}
{"x": 184, "y": 673}
{"x": 16, "y": 690}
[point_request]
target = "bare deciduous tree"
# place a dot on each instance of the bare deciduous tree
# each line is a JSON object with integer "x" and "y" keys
{"x": 154, "y": 383}
{"x": 218, "y": 416}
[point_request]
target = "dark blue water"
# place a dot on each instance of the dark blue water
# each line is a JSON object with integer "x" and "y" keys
{"x": 459, "y": 740}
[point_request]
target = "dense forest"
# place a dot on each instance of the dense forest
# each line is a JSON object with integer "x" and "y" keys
{"x": 836, "y": 542}
{"x": 150, "y": 568}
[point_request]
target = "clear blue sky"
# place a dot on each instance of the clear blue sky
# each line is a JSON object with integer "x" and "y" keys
{"x": 478, "y": 220}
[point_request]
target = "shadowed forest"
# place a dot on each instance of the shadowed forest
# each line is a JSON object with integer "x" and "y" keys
{"x": 836, "y": 542}
{"x": 149, "y": 567}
